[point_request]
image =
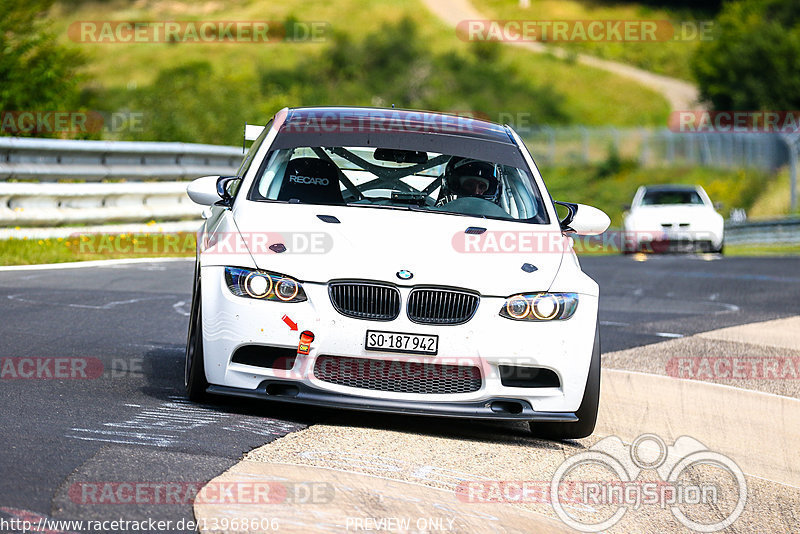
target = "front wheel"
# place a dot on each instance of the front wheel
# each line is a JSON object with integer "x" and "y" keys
{"x": 194, "y": 373}
{"x": 587, "y": 411}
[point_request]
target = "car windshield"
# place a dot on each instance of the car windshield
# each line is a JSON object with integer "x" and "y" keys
{"x": 399, "y": 179}
{"x": 658, "y": 198}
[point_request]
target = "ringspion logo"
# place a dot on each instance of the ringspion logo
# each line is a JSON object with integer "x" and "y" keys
{"x": 690, "y": 478}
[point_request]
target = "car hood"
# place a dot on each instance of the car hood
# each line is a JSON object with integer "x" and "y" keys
{"x": 376, "y": 244}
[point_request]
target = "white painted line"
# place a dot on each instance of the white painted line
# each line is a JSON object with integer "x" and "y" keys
{"x": 668, "y": 334}
{"x": 705, "y": 383}
{"x": 93, "y": 263}
{"x": 107, "y": 306}
{"x": 781, "y": 333}
{"x": 124, "y": 442}
{"x": 178, "y": 307}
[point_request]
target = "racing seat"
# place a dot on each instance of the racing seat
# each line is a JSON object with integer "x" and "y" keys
{"x": 311, "y": 181}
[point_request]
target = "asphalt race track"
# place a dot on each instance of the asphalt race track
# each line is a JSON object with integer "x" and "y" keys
{"x": 122, "y": 417}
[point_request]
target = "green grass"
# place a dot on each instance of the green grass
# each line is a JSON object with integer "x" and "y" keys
{"x": 249, "y": 81}
{"x": 730, "y": 250}
{"x": 763, "y": 250}
{"x": 671, "y": 58}
{"x": 774, "y": 201}
{"x": 85, "y": 247}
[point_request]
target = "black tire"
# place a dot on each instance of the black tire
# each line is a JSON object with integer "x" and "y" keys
{"x": 194, "y": 376}
{"x": 587, "y": 411}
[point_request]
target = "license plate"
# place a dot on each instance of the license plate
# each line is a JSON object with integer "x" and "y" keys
{"x": 400, "y": 342}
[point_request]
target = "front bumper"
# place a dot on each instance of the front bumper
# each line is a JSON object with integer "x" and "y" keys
{"x": 680, "y": 240}
{"x": 678, "y": 245}
{"x": 501, "y": 409}
{"x": 486, "y": 341}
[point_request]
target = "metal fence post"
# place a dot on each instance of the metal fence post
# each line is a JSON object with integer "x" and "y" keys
{"x": 791, "y": 145}
{"x": 793, "y": 175}
{"x": 644, "y": 151}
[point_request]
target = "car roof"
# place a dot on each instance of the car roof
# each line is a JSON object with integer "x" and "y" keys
{"x": 671, "y": 187}
{"x": 401, "y": 120}
{"x": 397, "y": 129}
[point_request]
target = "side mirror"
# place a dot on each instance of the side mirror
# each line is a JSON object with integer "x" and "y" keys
{"x": 718, "y": 206}
{"x": 583, "y": 219}
{"x": 203, "y": 190}
{"x": 211, "y": 190}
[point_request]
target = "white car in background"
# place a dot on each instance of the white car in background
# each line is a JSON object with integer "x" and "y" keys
{"x": 676, "y": 218}
{"x": 395, "y": 261}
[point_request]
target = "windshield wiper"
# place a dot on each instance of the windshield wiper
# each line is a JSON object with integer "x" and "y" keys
{"x": 429, "y": 210}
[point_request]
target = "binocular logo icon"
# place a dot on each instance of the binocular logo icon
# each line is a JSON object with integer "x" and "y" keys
{"x": 680, "y": 467}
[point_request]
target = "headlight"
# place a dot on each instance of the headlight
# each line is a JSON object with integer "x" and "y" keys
{"x": 540, "y": 306}
{"x": 263, "y": 285}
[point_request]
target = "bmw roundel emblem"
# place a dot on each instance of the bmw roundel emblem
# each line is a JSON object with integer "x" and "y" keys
{"x": 405, "y": 275}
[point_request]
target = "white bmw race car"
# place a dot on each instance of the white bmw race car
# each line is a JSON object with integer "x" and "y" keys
{"x": 673, "y": 218}
{"x": 395, "y": 261}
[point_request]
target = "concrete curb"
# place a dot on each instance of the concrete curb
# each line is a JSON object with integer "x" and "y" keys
{"x": 315, "y": 499}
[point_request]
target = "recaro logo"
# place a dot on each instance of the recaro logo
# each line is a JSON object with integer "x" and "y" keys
{"x": 308, "y": 180}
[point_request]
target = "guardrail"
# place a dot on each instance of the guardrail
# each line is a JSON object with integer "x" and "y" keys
{"x": 46, "y": 160}
{"x": 149, "y": 170}
{"x": 776, "y": 231}
{"x": 49, "y": 204}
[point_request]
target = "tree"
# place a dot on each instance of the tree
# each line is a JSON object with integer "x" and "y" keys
{"x": 36, "y": 73}
{"x": 753, "y": 61}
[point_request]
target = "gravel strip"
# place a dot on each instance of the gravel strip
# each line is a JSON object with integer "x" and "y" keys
{"x": 742, "y": 365}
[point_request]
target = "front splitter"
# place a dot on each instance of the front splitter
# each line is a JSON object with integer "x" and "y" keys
{"x": 496, "y": 408}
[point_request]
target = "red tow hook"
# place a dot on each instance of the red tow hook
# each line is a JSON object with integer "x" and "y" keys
{"x": 306, "y": 338}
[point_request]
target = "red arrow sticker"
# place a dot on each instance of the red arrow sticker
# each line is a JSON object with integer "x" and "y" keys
{"x": 292, "y": 325}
